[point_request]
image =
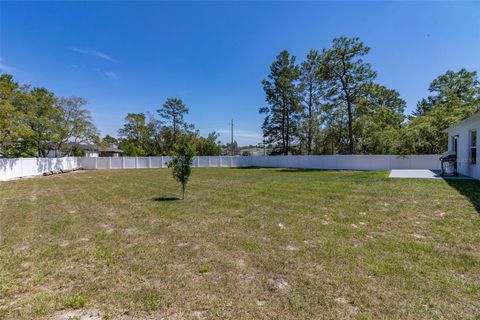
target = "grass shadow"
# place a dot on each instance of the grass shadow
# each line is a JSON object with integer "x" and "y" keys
{"x": 161, "y": 199}
{"x": 468, "y": 188}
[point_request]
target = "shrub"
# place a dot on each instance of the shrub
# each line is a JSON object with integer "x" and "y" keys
{"x": 77, "y": 301}
{"x": 204, "y": 268}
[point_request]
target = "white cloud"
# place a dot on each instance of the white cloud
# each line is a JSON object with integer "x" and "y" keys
{"x": 110, "y": 74}
{"x": 94, "y": 53}
{"x": 106, "y": 73}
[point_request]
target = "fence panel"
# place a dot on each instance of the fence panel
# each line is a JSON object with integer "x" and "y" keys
{"x": 203, "y": 161}
{"x": 214, "y": 161}
{"x": 239, "y": 161}
{"x": 102, "y": 163}
{"x": 116, "y": 163}
{"x": 24, "y": 167}
{"x": 142, "y": 163}
{"x": 129, "y": 162}
{"x": 156, "y": 162}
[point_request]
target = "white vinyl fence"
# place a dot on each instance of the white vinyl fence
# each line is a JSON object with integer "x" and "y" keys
{"x": 159, "y": 162}
{"x": 347, "y": 162}
{"x": 25, "y": 167}
{"x": 22, "y": 167}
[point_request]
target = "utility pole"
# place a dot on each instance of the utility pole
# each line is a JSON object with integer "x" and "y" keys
{"x": 231, "y": 142}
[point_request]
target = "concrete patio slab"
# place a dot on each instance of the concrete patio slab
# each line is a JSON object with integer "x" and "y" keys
{"x": 424, "y": 174}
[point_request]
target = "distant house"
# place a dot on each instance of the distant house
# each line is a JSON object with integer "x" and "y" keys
{"x": 111, "y": 151}
{"x": 255, "y": 152}
{"x": 463, "y": 139}
{"x": 90, "y": 150}
{"x": 246, "y": 151}
{"x": 93, "y": 150}
{"x": 228, "y": 152}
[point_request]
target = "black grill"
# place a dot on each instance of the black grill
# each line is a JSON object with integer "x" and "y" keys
{"x": 449, "y": 157}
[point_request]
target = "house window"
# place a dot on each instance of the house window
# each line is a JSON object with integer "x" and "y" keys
{"x": 473, "y": 146}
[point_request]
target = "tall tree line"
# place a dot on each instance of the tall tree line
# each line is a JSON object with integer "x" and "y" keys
{"x": 330, "y": 104}
{"x": 33, "y": 121}
{"x": 36, "y": 123}
{"x": 150, "y": 135}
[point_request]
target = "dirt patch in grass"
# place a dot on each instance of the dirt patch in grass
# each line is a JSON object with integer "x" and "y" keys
{"x": 78, "y": 315}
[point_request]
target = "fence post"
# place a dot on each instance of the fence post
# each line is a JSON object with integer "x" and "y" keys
{"x": 136, "y": 162}
{"x": 231, "y": 162}
{"x": 21, "y": 167}
{"x": 149, "y": 162}
{"x": 198, "y": 162}
{"x": 161, "y": 162}
{"x": 96, "y": 163}
{"x": 209, "y": 162}
{"x": 220, "y": 161}
{"x": 123, "y": 162}
{"x": 109, "y": 162}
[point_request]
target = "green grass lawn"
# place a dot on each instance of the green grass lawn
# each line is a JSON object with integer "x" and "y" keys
{"x": 244, "y": 244}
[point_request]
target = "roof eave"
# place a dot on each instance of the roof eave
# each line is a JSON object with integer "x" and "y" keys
{"x": 474, "y": 117}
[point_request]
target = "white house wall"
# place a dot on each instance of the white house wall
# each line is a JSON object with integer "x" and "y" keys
{"x": 463, "y": 148}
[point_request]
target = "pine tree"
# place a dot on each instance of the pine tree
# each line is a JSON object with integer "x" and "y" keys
{"x": 282, "y": 92}
{"x": 172, "y": 112}
{"x": 347, "y": 75}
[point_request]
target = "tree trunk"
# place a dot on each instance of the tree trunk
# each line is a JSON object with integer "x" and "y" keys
{"x": 41, "y": 152}
{"x": 183, "y": 191}
{"x": 287, "y": 136}
{"x": 283, "y": 128}
{"x": 174, "y": 129}
{"x": 310, "y": 121}
{"x": 350, "y": 127}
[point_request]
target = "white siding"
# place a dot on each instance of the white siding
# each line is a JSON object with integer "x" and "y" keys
{"x": 92, "y": 154}
{"x": 463, "y": 145}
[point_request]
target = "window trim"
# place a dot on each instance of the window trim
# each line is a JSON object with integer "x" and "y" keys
{"x": 472, "y": 147}
{"x": 454, "y": 139}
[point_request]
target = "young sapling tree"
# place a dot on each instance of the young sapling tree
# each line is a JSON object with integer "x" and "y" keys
{"x": 181, "y": 164}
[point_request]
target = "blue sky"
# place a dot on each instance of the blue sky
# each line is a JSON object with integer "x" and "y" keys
{"x": 130, "y": 56}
